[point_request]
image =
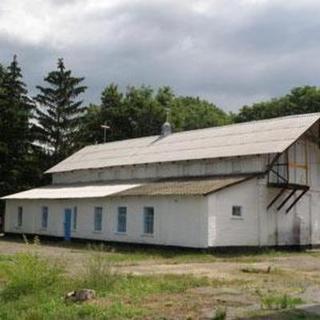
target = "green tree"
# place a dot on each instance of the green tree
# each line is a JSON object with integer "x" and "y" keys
{"x": 298, "y": 101}
{"x": 90, "y": 131}
{"x": 15, "y": 127}
{"x": 188, "y": 113}
{"x": 141, "y": 111}
{"x": 145, "y": 114}
{"x": 59, "y": 112}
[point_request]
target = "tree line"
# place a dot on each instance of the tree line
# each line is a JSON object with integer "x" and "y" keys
{"x": 37, "y": 132}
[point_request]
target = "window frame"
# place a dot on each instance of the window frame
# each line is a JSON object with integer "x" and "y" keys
{"x": 98, "y": 211}
{"x": 146, "y": 212}
{"x": 44, "y": 217}
{"x": 238, "y": 210}
{"x": 123, "y": 214}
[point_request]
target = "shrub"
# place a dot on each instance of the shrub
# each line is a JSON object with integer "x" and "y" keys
{"x": 26, "y": 274}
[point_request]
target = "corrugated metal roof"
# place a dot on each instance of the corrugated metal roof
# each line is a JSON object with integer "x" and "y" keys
{"x": 185, "y": 187}
{"x": 250, "y": 138}
{"x": 71, "y": 191}
{"x": 161, "y": 188}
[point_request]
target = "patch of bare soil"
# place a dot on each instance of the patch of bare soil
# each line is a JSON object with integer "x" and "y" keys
{"x": 199, "y": 303}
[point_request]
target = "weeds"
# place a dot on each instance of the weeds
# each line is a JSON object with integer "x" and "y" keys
{"x": 27, "y": 274}
{"x": 98, "y": 273}
{"x": 33, "y": 288}
{"x": 277, "y": 302}
{"x": 221, "y": 314}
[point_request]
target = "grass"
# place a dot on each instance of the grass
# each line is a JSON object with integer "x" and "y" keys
{"x": 33, "y": 284}
{"x": 221, "y": 314}
{"x": 123, "y": 254}
{"x": 279, "y": 301}
{"x": 130, "y": 254}
{"x": 284, "y": 315}
{"x": 34, "y": 289}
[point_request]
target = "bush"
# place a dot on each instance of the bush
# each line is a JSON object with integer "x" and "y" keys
{"x": 26, "y": 274}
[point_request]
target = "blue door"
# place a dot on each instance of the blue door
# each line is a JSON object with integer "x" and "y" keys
{"x": 67, "y": 224}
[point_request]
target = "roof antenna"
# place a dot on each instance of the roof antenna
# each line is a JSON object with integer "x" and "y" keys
{"x": 166, "y": 127}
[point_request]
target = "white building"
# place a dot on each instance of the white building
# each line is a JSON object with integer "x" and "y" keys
{"x": 249, "y": 184}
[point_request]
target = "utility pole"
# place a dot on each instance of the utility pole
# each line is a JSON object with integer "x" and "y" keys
{"x": 105, "y": 128}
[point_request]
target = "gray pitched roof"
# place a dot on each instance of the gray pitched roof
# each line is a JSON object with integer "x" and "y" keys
{"x": 71, "y": 191}
{"x": 249, "y": 138}
{"x": 183, "y": 187}
{"x": 100, "y": 190}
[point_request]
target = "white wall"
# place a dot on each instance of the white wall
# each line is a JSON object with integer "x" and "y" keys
{"x": 226, "y": 230}
{"x": 301, "y": 225}
{"x": 259, "y": 226}
{"x": 180, "y": 221}
{"x": 172, "y": 169}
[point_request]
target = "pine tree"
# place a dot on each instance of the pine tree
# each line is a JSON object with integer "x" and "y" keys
{"x": 59, "y": 112}
{"x": 15, "y": 128}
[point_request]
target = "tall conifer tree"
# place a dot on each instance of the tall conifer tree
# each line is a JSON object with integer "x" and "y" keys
{"x": 59, "y": 112}
{"x": 15, "y": 138}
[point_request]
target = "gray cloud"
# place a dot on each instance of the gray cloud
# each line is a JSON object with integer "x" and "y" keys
{"x": 230, "y": 52}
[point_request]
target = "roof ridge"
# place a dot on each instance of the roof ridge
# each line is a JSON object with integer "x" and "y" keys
{"x": 252, "y": 122}
{"x": 214, "y": 127}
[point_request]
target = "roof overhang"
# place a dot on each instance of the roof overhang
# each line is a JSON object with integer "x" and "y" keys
{"x": 190, "y": 187}
{"x": 71, "y": 191}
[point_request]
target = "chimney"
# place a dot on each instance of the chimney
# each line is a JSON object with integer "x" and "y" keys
{"x": 166, "y": 127}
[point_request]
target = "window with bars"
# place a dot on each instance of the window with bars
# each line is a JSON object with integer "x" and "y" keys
{"x": 20, "y": 217}
{"x": 122, "y": 219}
{"x": 44, "y": 217}
{"x": 148, "y": 220}
{"x": 98, "y": 219}
{"x": 237, "y": 211}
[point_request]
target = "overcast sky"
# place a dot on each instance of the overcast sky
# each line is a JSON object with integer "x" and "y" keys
{"x": 230, "y": 52}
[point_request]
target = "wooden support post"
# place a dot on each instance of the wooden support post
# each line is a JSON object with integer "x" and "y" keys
{"x": 296, "y": 200}
{"x": 276, "y": 198}
{"x": 286, "y": 199}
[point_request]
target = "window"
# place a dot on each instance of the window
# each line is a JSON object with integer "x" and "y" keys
{"x": 20, "y": 213}
{"x": 122, "y": 219}
{"x": 148, "y": 220}
{"x": 237, "y": 211}
{"x": 75, "y": 217}
{"x": 98, "y": 219}
{"x": 44, "y": 218}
